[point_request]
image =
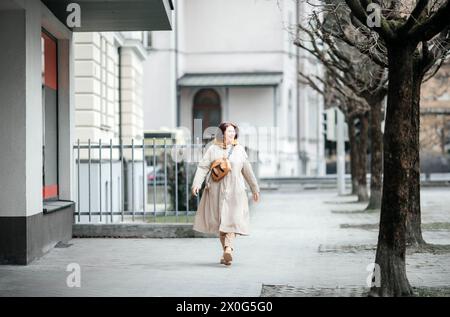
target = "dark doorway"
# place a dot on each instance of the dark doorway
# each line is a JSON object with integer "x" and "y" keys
{"x": 207, "y": 107}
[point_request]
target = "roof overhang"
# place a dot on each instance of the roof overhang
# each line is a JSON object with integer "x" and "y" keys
{"x": 116, "y": 15}
{"x": 10, "y": 5}
{"x": 263, "y": 79}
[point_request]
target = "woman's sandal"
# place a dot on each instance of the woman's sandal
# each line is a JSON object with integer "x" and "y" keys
{"x": 222, "y": 261}
{"x": 227, "y": 256}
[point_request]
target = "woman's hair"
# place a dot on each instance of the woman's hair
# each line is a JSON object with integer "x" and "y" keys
{"x": 223, "y": 126}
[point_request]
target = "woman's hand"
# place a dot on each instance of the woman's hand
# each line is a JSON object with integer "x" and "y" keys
{"x": 195, "y": 190}
{"x": 255, "y": 197}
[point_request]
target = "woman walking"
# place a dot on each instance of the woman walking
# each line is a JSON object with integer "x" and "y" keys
{"x": 223, "y": 208}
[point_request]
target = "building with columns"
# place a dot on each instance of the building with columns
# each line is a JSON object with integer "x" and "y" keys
{"x": 108, "y": 110}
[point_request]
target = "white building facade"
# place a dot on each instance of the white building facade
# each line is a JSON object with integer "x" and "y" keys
{"x": 108, "y": 86}
{"x": 108, "y": 110}
{"x": 234, "y": 61}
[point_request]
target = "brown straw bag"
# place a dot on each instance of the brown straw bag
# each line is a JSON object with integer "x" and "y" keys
{"x": 221, "y": 167}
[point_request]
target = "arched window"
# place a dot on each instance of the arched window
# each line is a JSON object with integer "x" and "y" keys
{"x": 207, "y": 107}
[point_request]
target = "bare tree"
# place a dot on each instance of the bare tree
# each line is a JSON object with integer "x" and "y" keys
{"x": 353, "y": 108}
{"x": 428, "y": 59}
{"x": 366, "y": 79}
{"x": 415, "y": 35}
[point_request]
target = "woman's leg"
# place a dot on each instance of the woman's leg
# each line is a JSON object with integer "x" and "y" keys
{"x": 228, "y": 246}
{"x": 222, "y": 242}
{"x": 229, "y": 239}
{"x": 226, "y": 239}
{"x": 222, "y": 239}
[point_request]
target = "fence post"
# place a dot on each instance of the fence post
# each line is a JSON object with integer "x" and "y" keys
{"x": 176, "y": 181}
{"x": 100, "y": 175}
{"x": 143, "y": 180}
{"x": 78, "y": 185}
{"x": 89, "y": 177}
{"x": 165, "y": 177}
{"x": 110, "y": 179}
{"x": 154, "y": 178}
{"x": 132, "y": 177}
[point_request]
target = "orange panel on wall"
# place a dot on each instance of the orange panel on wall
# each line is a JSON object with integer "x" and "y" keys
{"x": 50, "y": 62}
{"x": 50, "y": 191}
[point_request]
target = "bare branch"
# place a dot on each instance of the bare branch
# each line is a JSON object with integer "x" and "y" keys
{"x": 428, "y": 29}
{"x": 414, "y": 16}
{"x": 357, "y": 9}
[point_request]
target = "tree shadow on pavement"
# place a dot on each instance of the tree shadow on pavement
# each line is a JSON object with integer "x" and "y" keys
{"x": 356, "y": 211}
{"x": 411, "y": 249}
{"x": 429, "y": 248}
{"x": 342, "y": 291}
{"x": 343, "y": 202}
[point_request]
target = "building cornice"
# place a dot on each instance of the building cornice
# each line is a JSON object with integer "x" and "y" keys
{"x": 137, "y": 48}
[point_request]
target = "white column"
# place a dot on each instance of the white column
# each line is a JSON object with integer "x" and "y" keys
{"x": 340, "y": 145}
{"x": 21, "y": 112}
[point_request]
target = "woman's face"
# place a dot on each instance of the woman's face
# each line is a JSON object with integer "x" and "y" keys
{"x": 230, "y": 133}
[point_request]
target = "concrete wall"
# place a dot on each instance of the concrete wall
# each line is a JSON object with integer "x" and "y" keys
{"x": 240, "y": 36}
{"x": 27, "y": 233}
{"x": 20, "y": 112}
{"x": 160, "y": 68}
{"x": 111, "y": 198}
{"x": 13, "y": 111}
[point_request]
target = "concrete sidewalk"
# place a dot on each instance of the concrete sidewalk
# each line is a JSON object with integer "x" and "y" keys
{"x": 296, "y": 240}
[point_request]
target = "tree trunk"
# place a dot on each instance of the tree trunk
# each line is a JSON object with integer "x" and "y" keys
{"x": 443, "y": 136}
{"x": 413, "y": 221}
{"x": 353, "y": 154}
{"x": 376, "y": 162}
{"x": 363, "y": 195}
{"x": 398, "y": 164}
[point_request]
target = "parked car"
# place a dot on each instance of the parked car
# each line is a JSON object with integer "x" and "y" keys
{"x": 153, "y": 173}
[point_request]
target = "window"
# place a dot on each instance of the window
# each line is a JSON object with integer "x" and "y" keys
{"x": 207, "y": 107}
{"x": 50, "y": 117}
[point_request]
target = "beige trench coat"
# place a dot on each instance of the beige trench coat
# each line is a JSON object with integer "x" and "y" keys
{"x": 224, "y": 204}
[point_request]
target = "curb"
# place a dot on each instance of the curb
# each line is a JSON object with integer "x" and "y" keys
{"x": 142, "y": 230}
